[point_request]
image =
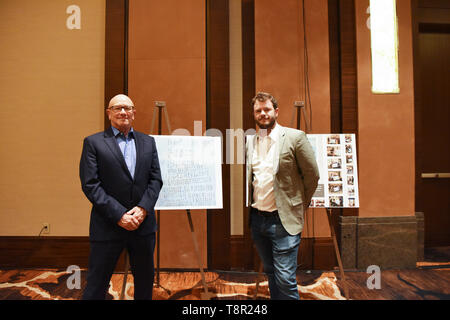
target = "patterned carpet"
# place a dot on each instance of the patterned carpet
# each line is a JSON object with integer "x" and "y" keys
{"x": 429, "y": 281}
{"x": 53, "y": 285}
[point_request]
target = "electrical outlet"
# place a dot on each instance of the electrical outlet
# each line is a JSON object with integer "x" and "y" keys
{"x": 46, "y": 228}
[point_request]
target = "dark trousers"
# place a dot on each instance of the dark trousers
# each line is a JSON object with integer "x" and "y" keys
{"x": 103, "y": 259}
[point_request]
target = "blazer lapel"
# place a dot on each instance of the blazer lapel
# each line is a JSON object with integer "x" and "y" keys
{"x": 251, "y": 140}
{"x": 276, "y": 158}
{"x": 139, "y": 152}
{"x": 252, "y": 145}
{"x": 110, "y": 141}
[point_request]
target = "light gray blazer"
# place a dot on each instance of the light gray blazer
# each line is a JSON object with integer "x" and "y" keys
{"x": 295, "y": 177}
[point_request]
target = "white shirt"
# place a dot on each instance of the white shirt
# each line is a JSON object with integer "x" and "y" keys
{"x": 264, "y": 157}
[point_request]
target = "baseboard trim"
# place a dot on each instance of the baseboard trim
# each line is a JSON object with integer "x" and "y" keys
{"x": 314, "y": 254}
{"x": 317, "y": 254}
{"x": 46, "y": 252}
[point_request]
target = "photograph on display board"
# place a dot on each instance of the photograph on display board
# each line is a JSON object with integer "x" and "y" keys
{"x": 336, "y": 159}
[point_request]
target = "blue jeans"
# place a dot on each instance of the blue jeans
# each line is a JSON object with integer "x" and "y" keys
{"x": 278, "y": 252}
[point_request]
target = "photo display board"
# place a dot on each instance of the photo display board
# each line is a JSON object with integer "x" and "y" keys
{"x": 191, "y": 169}
{"x": 336, "y": 159}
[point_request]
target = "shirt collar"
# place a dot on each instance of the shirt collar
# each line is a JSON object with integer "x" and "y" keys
{"x": 116, "y": 131}
{"x": 274, "y": 133}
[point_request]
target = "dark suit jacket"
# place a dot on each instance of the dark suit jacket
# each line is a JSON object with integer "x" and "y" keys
{"x": 108, "y": 184}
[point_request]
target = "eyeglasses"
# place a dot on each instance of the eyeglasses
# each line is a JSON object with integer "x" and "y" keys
{"x": 117, "y": 109}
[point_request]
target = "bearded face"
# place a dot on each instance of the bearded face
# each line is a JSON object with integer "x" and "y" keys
{"x": 265, "y": 115}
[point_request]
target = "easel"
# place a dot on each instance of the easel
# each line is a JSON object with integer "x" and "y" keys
{"x": 338, "y": 255}
{"x": 160, "y": 107}
{"x": 206, "y": 295}
{"x": 300, "y": 108}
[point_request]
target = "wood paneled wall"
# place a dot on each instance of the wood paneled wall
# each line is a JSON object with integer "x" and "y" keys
{"x": 167, "y": 62}
{"x": 343, "y": 76}
{"x": 292, "y": 62}
{"x": 385, "y": 125}
{"x": 218, "y": 117}
{"x": 116, "y": 50}
{"x": 51, "y": 87}
{"x": 178, "y": 52}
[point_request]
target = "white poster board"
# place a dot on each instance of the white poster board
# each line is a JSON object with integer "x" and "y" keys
{"x": 336, "y": 159}
{"x": 191, "y": 170}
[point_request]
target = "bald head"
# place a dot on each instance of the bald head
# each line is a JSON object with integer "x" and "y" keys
{"x": 121, "y": 113}
{"x": 120, "y": 99}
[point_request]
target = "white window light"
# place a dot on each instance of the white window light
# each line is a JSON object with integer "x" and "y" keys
{"x": 384, "y": 42}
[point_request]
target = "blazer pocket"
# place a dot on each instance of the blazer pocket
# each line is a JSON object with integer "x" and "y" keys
{"x": 295, "y": 201}
{"x": 287, "y": 163}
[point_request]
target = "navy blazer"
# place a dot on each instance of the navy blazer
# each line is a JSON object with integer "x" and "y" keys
{"x": 108, "y": 184}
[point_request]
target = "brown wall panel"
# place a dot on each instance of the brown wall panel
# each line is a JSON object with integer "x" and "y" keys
{"x": 116, "y": 47}
{"x": 248, "y": 92}
{"x": 52, "y": 87}
{"x": 343, "y": 76}
{"x": 385, "y": 125}
{"x": 218, "y": 117}
{"x": 167, "y": 62}
{"x": 280, "y": 69}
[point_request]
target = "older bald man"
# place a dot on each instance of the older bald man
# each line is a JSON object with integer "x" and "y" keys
{"x": 121, "y": 177}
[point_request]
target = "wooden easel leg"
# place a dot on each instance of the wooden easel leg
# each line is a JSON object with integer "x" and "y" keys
{"x": 257, "y": 280}
{"x": 159, "y": 105}
{"x": 167, "y": 121}
{"x": 206, "y": 295}
{"x": 158, "y": 246}
{"x": 125, "y": 276}
{"x": 338, "y": 255}
{"x": 153, "y": 120}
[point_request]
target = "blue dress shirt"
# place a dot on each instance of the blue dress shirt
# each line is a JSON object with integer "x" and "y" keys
{"x": 127, "y": 146}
